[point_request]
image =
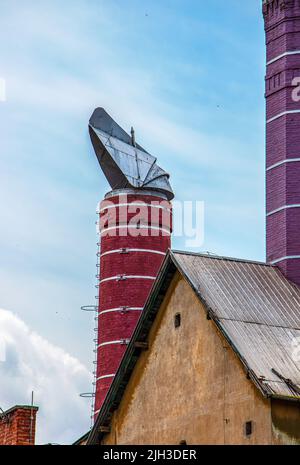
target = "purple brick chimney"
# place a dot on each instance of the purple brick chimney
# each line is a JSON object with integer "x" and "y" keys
{"x": 282, "y": 26}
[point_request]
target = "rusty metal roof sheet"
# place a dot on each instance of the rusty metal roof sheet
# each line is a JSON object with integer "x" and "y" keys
{"x": 257, "y": 309}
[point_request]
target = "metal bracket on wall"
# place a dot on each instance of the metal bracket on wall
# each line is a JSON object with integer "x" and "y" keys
{"x": 124, "y": 250}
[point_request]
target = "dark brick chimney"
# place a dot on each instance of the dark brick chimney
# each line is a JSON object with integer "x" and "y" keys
{"x": 282, "y": 26}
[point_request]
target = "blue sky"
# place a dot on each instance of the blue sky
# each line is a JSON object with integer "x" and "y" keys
{"x": 188, "y": 75}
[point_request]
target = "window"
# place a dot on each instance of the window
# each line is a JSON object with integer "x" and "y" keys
{"x": 248, "y": 428}
{"x": 177, "y": 320}
{"x": 183, "y": 442}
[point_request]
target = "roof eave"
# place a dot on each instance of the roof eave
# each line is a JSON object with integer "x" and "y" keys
{"x": 286, "y": 398}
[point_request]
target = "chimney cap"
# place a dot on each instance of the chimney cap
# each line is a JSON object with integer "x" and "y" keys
{"x": 20, "y": 407}
{"x": 124, "y": 162}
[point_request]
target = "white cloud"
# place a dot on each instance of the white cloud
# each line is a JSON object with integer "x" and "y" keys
{"x": 31, "y": 363}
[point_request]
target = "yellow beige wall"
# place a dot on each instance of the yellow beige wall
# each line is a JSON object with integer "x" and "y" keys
{"x": 189, "y": 385}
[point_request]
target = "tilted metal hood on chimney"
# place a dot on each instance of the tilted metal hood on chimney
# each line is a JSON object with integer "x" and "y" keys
{"x": 125, "y": 163}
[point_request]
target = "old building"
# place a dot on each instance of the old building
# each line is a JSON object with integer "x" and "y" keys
{"x": 215, "y": 355}
{"x": 212, "y": 360}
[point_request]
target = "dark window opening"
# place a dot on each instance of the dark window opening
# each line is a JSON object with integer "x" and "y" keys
{"x": 177, "y": 320}
{"x": 248, "y": 428}
{"x": 183, "y": 443}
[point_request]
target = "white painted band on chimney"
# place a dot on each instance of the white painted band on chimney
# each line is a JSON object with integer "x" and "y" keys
{"x": 121, "y": 309}
{"x": 132, "y": 191}
{"x": 288, "y": 257}
{"x": 124, "y": 277}
{"x": 287, "y": 160}
{"x": 105, "y": 376}
{"x": 288, "y": 112}
{"x": 285, "y": 207}
{"x": 133, "y": 226}
{"x": 132, "y": 250}
{"x": 295, "y": 52}
{"x": 134, "y": 204}
{"x": 119, "y": 341}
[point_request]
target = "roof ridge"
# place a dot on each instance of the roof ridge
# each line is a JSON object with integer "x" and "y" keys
{"x": 220, "y": 257}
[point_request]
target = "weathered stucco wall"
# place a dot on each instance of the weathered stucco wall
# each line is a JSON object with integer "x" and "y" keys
{"x": 189, "y": 386}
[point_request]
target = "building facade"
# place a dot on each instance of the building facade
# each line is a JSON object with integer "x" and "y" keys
{"x": 206, "y": 364}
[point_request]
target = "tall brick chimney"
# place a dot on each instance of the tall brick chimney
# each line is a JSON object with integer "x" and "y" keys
{"x": 17, "y": 426}
{"x": 282, "y": 27}
{"x": 135, "y": 233}
{"x": 128, "y": 267}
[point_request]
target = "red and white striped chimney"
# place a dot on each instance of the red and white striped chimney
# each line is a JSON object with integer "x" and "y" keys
{"x": 135, "y": 232}
{"x": 131, "y": 252}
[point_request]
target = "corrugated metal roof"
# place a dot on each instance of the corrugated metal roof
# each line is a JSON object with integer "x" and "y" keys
{"x": 257, "y": 309}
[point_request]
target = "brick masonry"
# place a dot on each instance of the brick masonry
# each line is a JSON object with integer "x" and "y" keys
{"x": 282, "y": 27}
{"x": 18, "y": 425}
{"x": 127, "y": 295}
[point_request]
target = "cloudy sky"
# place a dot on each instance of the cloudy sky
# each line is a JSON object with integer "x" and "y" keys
{"x": 189, "y": 76}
